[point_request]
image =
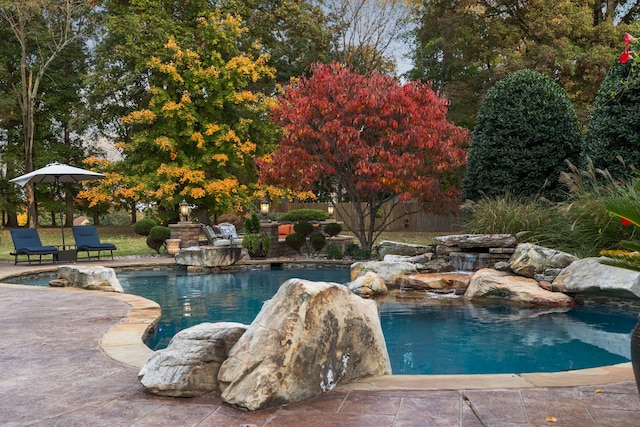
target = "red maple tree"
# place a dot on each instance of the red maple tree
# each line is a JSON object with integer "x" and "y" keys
{"x": 374, "y": 140}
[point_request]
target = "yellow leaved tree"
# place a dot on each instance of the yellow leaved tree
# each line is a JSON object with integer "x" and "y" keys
{"x": 202, "y": 126}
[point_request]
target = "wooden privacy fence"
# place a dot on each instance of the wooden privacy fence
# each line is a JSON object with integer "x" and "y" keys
{"x": 418, "y": 221}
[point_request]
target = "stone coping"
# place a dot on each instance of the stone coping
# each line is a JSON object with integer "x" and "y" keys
{"x": 124, "y": 343}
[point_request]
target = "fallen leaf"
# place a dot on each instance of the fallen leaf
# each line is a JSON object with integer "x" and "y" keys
{"x": 598, "y": 391}
{"x": 551, "y": 419}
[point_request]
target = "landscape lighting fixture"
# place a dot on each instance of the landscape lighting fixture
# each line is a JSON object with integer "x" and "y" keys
{"x": 185, "y": 211}
{"x": 330, "y": 209}
{"x": 264, "y": 207}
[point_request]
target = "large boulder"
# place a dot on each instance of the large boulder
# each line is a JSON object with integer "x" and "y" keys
{"x": 389, "y": 271}
{"x": 489, "y": 283}
{"x": 95, "y": 278}
{"x": 387, "y": 247}
{"x": 436, "y": 282}
{"x": 209, "y": 256}
{"x": 590, "y": 276}
{"x": 530, "y": 260}
{"x": 189, "y": 366}
{"x": 308, "y": 338}
{"x": 368, "y": 285}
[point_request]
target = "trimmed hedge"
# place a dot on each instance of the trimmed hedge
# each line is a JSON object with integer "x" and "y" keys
{"x": 144, "y": 226}
{"x": 157, "y": 237}
{"x": 526, "y": 130}
{"x": 614, "y": 127}
{"x": 305, "y": 215}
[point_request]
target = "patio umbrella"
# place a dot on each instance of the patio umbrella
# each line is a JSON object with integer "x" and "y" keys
{"x": 57, "y": 173}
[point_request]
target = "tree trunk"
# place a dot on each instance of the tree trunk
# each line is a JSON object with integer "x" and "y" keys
{"x": 134, "y": 216}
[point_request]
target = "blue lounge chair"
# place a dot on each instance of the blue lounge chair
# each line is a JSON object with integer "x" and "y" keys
{"x": 87, "y": 240}
{"x": 26, "y": 241}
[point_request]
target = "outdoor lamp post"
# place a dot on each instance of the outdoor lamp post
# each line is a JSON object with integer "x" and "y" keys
{"x": 185, "y": 211}
{"x": 330, "y": 209}
{"x": 264, "y": 207}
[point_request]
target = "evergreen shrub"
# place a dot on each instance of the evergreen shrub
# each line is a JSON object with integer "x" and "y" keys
{"x": 334, "y": 251}
{"x": 157, "y": 237}
{"x": 144, "y": 226}
{"x": 295, "y": 241}
{"x": 333, "y": 229}
{"x": 613, "y": 132}
{"x": 526, "y": 130}
{"x": 304, "y": 227}
{"x": 317, "y": 241}
{"x": 304, "y": 215}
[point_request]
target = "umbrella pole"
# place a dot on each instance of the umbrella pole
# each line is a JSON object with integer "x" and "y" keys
{"x": 61, "y": 214}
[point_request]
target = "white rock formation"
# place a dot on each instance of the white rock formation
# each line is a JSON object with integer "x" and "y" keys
{"x": 368, "y": 285}
{"x": 96, "y": 278}
{"x": 308, "y": 338}
{"x": 529, "y": 260}
{"x": 209, "y": 256}
{"x": 389, "y": 271}
{"x": 489, "y": 283}
{"x": 590, "y": 276}
{"x": 387, "y": 247}
{"x": 189, "y": 366}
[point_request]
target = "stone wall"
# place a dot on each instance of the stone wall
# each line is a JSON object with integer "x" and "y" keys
{"x": 471, "y": 252}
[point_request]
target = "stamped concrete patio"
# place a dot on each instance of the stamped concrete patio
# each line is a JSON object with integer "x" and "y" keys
{"x": 70, "y": 358}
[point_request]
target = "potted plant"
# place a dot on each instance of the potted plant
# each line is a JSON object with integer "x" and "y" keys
{"x": 256, "y": 241}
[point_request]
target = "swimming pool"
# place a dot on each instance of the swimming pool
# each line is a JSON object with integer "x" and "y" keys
{"x": 427, "y": 336}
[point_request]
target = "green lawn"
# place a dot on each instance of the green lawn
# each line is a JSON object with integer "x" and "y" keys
{"x": 130, "y": 243}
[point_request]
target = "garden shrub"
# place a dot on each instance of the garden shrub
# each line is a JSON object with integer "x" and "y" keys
{"x": 525, "y": 131}
{"x": 295, "y": 241}
{"x": 252, "y": 224}
{"x": 361, "y": 254}
{"x": 317, "y": 241}
{"x": 144, "y": 226}
{"x": 334, "y": 251}
{"x": 304, "y": 215}
{"x": 157, "y": 237}
{"x": 531, "y": 220}
{"x": 333, "y": 229}
{"x": 581, "y": 225}
{"x": 304, "y": 227}
{"x": 614, "y": 129}
{"x": 593, "y": 228}
{"x": 356, "y": 252}
{"x": 350, "y": 249}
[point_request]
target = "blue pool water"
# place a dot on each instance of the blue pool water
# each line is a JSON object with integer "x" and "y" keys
{"x": 444, "y": 336}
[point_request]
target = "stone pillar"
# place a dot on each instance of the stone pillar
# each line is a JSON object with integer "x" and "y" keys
{"x": 271, "y": 228}
{"x": 187, "y": 232}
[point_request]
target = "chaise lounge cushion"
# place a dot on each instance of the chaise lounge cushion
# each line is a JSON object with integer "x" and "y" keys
{"x": 87, "y": 239}
{"x": 27, "y": 241}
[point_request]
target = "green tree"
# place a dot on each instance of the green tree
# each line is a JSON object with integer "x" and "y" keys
{"x": 201, "y": 128}
{"x": 43, "y": 30}
{"x": 613, "y": 134}
{"x": 466, "y": 46}
{"x": 526, "y": 131}
{"x": 291, "y": 33}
